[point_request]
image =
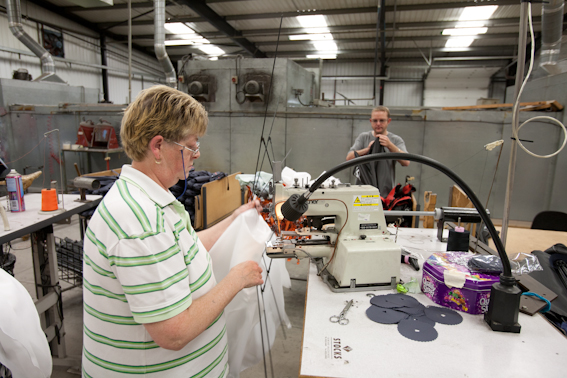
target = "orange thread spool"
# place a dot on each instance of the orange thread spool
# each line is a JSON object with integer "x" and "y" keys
{"x": 49, "y": 200}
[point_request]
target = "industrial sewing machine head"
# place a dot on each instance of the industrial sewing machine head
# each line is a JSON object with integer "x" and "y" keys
{"x": 344, "y": 231}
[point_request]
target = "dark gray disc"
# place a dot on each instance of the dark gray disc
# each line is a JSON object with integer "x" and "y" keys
{"x": 422, "y": 318}
{"x": 403, "y": 300}
{"x": 417, "y": 310}
{"x": 418, "y": 331}
{"x": 443, "y": 315}
{"x": 384, "y": 301}
{"x": 385, "y": 315}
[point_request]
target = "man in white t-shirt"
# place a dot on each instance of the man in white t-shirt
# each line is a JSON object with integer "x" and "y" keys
{"x": 389, "y": 142}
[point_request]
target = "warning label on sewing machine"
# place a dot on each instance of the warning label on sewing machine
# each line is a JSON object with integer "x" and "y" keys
{"x": 367, "y": 203}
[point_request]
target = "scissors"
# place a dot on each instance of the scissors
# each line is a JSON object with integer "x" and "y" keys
{"x": 341, "y": 317}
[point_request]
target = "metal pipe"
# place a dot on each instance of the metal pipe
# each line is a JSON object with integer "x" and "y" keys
{"x": 320, "y": 77}
{"x": 17, "y": 29}
{"x": 104, "y": 62}
{"x": 382, "y": 49}
{"x": 378, "y": 9}
{"x": 514, "y": 146}
{"x": 129, "y": 51}
{"x": 551, "y": 31}
{"x": 71, "y": 61}
{"x": 159, "y": 43}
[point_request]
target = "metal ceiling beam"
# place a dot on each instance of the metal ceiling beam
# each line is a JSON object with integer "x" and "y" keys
{"x": 356, "y": 40}
{"x": 446, "y": 50}
{"x": 399, "y": 8}
{"x": 388, "y": 40}
{"x": 201, "y": 8}
{"x": 499, "y": 22}
{"x": 144, "y": 4}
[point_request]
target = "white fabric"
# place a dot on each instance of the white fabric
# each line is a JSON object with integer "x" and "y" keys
{"x": 289, "y": 175}
{"x": 23, "y": 346}
{"x": 245, "y": 240}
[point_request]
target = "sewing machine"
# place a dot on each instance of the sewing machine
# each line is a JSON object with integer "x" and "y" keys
{"x": 344, "y": 231}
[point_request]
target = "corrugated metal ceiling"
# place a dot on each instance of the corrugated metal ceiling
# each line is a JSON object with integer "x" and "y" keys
{"x": 250, "y": 27}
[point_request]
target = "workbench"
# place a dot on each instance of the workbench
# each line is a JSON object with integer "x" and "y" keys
{"x": 40, "y": 226}
{"x": 363, "y": 348}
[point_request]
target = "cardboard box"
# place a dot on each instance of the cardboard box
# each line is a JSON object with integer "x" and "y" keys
{"x": 217, "y": 201}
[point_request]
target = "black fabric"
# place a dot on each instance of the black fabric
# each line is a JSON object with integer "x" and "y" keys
{"x": 369, "y": 172}
{"x": 550, "y": 220}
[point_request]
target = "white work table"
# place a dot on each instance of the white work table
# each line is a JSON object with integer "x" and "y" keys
{"x": 40, "y": 226}
{"x": 363, "y": 348}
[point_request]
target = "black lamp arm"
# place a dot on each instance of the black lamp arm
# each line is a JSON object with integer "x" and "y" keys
{"x": 506, "y": 278}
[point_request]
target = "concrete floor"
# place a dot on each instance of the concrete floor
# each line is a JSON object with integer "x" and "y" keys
{"x": 285, "y": 352}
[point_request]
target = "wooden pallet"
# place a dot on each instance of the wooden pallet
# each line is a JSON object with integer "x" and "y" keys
{"x": 551, "y": 105}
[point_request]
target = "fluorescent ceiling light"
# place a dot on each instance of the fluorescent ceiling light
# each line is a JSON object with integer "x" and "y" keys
{"x": 459, "y": 42}
{"x": 214, "y": 58}
{"x": 325, "y": 45}
{"x": 312, "y": 21}
{"x": 211, "y": 50}
{"x": 179, "y": 42}
{"x": 184, "y": 42}
{"x": 478, "y": 12}
{"x": 178, "y": 28}
{"x": 322, "y": 56}
{"x": 465, "y": 31}
{"x": 194, "y": 37}
{"x": 312, "y": 37}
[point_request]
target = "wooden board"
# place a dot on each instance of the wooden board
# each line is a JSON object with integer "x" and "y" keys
{"x": 524, "y": 106}
{"x": 218, "y": 200}
{"x": 460, "y": 199}
{"x": 429, "y": 200}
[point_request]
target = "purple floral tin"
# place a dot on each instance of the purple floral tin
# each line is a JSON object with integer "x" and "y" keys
{"x": 448, "y": 282}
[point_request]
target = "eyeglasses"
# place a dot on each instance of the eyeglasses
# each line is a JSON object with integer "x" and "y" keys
{"x": 193, "y": 151}
{"x": 379, "y": 120}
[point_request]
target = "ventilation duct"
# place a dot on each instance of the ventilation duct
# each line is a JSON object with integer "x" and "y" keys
{"x": 17, "y": 28}
{"x": 552, "y": 29}
{"x": 159, "y": 43}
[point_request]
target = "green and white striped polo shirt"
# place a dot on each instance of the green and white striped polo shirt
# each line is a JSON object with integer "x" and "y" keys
{"x": 142, "y": 265}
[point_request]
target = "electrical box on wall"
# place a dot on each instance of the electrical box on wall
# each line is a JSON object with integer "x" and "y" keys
{"x": 202, "y": 87}
{"x": 256, "y": 86}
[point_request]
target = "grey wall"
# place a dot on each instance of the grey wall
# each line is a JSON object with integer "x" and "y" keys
{"x": 30, "y": 109}
{"x": 319, "y": 138}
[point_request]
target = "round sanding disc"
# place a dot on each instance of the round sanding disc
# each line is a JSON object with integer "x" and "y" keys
{"x": 414, "y": 310}
{"x": 384, "y": 301}
{"x": 422, "y": 318}
{"x": 403, "y": 300}
{"x": 417, "y": 331}
{"x": 385, "y": 315}
{"x": 443, "y": 315}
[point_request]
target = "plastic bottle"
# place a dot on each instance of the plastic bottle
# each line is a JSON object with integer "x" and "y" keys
{"x": 15, "y": 191}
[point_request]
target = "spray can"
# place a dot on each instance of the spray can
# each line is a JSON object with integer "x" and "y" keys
{"x": 15, "y": 191}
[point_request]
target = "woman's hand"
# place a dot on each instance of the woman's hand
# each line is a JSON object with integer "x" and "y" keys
{"x": 248, "y": 274}
{"x": 247, "y": 206}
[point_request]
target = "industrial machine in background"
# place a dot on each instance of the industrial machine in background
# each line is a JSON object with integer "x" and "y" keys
{"x": 344, "y": 232}
{"x": 202, "y": 87}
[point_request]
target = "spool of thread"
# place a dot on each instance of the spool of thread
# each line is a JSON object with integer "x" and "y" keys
{"x": 458, "y": 240}
{"x": 48, "y": 200}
